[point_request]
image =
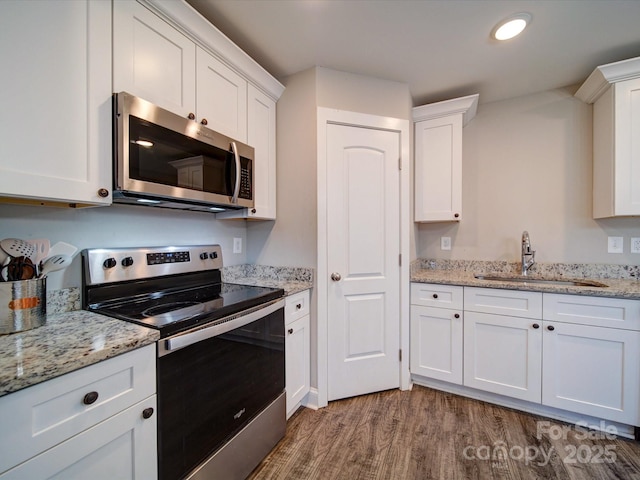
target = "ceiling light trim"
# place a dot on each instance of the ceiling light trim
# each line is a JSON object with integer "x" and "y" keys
{"x": 498, "y": 34}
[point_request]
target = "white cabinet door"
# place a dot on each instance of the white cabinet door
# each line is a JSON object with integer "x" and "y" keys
{"x": 503, "y": 355}
{"x": 221, "y": 97}
{"x": 56, "y": 101}
{"x": 298, "y": 358}
{"x": 122, "y": 447}
{"x": 438, "y": 167}
{"x": 592, "y": 370}
{"x": 436, "y": 343}
{"x": 261, "y": 135}
{"x": 153, "y": 60}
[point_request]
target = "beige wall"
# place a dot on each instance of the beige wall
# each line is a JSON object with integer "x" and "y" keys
{"x": 292, "y": 239}
{"x": 527, "y": 166}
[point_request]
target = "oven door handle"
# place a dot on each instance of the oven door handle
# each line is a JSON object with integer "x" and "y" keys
{"x": 184, "y": 340}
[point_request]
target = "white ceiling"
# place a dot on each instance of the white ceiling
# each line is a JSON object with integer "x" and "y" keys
{"x": 441, "y": 48}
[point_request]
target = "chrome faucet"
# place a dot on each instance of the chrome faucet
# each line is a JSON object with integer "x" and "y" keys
{"x": 528, "y": 255}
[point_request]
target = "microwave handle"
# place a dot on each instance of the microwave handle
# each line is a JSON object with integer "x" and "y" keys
{"x": 236, "y": 188}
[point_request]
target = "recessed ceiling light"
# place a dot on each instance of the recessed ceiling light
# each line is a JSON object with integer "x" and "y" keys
{"x": 511, "y": 26}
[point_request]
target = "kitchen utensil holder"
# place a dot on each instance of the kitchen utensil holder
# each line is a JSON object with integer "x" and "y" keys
{"x": 23, "y": 305}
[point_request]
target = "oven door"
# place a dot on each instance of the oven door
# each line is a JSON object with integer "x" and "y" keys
{"x": 212, "y": 382}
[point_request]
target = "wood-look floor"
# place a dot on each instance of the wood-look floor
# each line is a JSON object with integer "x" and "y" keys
{"x": 427, "y": 434}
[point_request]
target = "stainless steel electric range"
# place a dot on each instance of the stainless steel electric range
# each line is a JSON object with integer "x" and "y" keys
{"x": 220, "y": 364}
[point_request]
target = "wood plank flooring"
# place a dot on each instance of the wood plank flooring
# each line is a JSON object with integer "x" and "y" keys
{"x": 427, "y": 434}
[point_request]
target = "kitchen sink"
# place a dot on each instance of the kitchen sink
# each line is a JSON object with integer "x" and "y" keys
{"x": 547, "y": 281}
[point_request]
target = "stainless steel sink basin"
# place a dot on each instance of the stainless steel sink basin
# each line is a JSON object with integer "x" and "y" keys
{"x": 547, "y": 281}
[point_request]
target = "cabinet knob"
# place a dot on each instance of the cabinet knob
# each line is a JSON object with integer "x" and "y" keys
{"x": 147, "y": 413}
{"x": 298, "y": 306}
{"x": 204, "y": 121}
{"x": 456, "y": 215}
{"x": 290, "y": 331}
{"x": 435, "y": 295}
{"x": 253, "y": 210}
{"x": 191, "y": 116}
{"x": 456, "y": 315}
{"x": 103, "y": 192}
{"x": 535, "y": 325}
{"x": 551, "y": 328}
{"x": 90, "y": 398}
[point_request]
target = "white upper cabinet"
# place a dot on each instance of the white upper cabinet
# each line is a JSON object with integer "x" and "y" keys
{"x": 168, "y": 54}
{"x": 438, "y": 158}
{"x": 614, "y": 91}
{"x": 56, "y": 103}
{"x": 222, "y": 97}
{"x": 153, "y": 60}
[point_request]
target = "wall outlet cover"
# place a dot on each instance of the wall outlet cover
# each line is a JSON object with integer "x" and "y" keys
{"x": 635, "y": 245}
{"x": 615, "y": 245}
{"x": 445, "y": 243}
{"x": 237, "y": 245}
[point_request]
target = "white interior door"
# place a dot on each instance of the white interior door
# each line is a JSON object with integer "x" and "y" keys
{"x": 363, "y": 231}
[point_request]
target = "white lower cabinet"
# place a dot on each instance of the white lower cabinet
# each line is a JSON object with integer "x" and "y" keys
{"x": 436, "y": 332}
{"x": 572, "y": 352}
{"x": 122, "y": 447}
{"x": 503, "y": 355}
{"x": 592, "y": 370}
{"x": 297, "y": 350}
{"x": 97, "y": 422}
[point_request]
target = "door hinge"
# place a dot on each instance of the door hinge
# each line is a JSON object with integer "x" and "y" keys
{"x": 400, "y": 260}
{"x": 400, "y": 354}
{"x": 400, "y": 163}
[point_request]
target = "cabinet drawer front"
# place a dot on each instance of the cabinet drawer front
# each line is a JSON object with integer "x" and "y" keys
{"x": 597, "y": 311}
{"x": 515, "y": 303}
{"x": 435, "y": 295}
{"x": 41, "y": 416}
{"x": 296, "y": 306}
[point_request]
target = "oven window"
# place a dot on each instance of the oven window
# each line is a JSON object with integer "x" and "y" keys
{"x": 160, "y": 155}
{"x": 209, "y": 391}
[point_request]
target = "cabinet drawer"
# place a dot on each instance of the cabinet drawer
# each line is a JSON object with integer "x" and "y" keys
{"x": 596, "y": 311}
{"x": 296, "y": 306}
{"x": 515, "y": 303}
{"x": 436, "y": 295}
{"x": 39, "y": 417}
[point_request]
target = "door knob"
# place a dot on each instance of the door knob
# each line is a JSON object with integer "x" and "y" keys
{"x": 335, "y": 276}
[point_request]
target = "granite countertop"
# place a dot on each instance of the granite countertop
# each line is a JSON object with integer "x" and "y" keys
{"x": 292, "y": 279}
{"x": 67, "y": 342}
{"x": 462, "y": 273}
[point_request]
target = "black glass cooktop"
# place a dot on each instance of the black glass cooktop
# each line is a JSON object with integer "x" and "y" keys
{"x": 177, "y": 310}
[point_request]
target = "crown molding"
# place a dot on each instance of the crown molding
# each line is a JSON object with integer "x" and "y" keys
{"x": 606, "y": 75}
{"x": 466, "y": 106}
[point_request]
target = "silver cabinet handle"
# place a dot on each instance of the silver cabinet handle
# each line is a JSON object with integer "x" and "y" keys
{"x": 335, "y": 276}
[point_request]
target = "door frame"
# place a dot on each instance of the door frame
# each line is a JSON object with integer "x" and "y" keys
{"x": 326, "y": 116}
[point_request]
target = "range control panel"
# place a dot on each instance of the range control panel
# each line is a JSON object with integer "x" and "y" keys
{"x": 120, "y": 264}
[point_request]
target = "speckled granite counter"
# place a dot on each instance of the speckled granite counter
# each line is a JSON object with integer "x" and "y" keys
{"x": 67, "y": 342}
{"x": 622, "y": 281}
{"x": 291, "y": 279}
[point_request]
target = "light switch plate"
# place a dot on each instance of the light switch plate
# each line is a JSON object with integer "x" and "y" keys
{"x": 615, "y": 245}
{"x": 635, "y": 245}
{"x": 445, "y": 243}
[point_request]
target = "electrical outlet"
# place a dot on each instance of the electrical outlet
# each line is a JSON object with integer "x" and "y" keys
{"x": 237, "y": 245}
{"x": 615, "y": 245}
{"x": 445, "y": 243}
{"x": 635, "y": 245}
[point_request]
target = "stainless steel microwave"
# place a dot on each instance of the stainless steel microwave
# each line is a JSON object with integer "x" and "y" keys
{"x": 164, "y": 160}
